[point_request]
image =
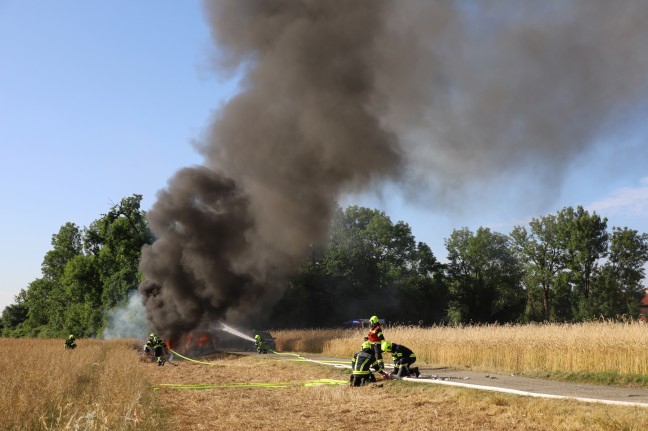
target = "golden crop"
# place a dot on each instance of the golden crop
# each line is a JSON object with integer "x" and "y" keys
{"x": 569, "y": 348}
{"x": 94, "y": 387}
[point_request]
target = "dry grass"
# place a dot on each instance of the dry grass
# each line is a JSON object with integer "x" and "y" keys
{"x": 312, "y": 340}
{"x": 390, "y": 405}
{"x": 576, "y": 348}
{"x": 104, "y": 386}
{"x": 98, "y": 386}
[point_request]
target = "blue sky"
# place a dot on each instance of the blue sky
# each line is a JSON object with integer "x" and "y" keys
{"x": 101, "y": 100}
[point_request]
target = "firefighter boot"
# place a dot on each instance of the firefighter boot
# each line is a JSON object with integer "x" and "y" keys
{"x": 403, "y": 371}
{"x": 416, "y": 371}
{"x": 356, "y": 380}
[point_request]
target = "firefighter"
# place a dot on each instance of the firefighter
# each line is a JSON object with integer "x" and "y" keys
{"x": 361, "y": 365}
{"x": 376, "y": 336}
{"x": 260, "y": 344}
{"x": 403, "y": 359}
{"x": 156, "y": 344}
{"x": 70, "y": 343}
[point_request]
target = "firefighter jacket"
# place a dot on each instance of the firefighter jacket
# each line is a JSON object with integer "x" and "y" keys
{"x": 402, "y": 355}
{"x": 155, "y": 342}
{"x": 260, "y": 344}
{"x": 362, "y": 361}
{"x": 375, "y": 334}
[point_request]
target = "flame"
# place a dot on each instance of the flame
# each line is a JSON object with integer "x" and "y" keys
{"x": 203, "y": 340}
{"x": 194, "y": 342}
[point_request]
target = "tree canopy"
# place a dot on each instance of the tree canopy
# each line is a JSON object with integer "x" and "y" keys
{"x": 87, "y": 272}
{"x": 563, "y": 267}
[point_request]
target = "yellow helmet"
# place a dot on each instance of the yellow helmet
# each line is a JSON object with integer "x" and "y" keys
{"x": 373, "y": 320}
{"x": 386, "y": 346}
{"x": 257, "y": 336}
{"x": 366, "y": 345}
{"x": 71, "y": 337}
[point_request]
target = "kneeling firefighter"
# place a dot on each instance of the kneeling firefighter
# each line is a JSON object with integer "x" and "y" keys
{"x": 361, "y": 365}
{"x": 70, "y": 343}
{"x": 403, "y": 359}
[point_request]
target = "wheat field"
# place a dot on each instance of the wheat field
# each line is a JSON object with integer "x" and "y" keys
{"x": 98, "y": 386}
{"x": 105, "y": 385}
{"x": 568, "y": 348}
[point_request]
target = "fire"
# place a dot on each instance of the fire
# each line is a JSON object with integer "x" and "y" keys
{"x": 211, "y": 338}
{"x": 194, "y": 342}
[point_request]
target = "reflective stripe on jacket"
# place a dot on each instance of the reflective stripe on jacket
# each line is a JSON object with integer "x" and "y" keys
{"x": 400, "y": 353}
{"x": 361, "y": 363}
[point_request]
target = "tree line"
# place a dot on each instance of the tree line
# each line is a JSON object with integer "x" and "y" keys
{"x": 87, "y": 272}
{"x": 563, "y": 267}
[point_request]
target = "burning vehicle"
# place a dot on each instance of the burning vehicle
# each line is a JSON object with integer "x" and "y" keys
{"x": 216, "y": 338}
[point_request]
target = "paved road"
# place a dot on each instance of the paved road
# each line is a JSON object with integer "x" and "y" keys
{"x": 525, "y": 386}
{"x": 539, "y": 387}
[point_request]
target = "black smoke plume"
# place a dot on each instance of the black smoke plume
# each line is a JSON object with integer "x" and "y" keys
{"x": 340, "y": 96}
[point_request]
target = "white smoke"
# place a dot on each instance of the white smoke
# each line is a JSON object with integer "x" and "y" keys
{"x": 127, "y": 321}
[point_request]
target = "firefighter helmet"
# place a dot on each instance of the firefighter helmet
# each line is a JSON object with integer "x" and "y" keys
{"x": 152, "y": 335}
{"x": 373, "y": 320}
{"x": 71, "y": 337}
{"x": 366, "y": 345}
{"x": 257, "y": 336}
{"x": 386, "y": 346}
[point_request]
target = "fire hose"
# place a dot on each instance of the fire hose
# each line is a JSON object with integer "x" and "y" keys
{"x": 298, "y": 357}
{"x": 191, "y": 360}
{"x": 307, "y": 383}
{"x": 344, "y": 364}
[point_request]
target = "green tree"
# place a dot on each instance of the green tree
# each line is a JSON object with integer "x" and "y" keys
{"x": 484, "y": 277}
{"x": 116, "y": 240}
{"x": 45, "y": 304}
{"x": 369, "y": 265}
{"x": 618, "y": 287}
{"x": 66, "y": 244}
{"x": 14, "y": 315}
{"x": 83, "y": 291}
{"x": 542, "y": 255}
{"x": 84, "y": 274}
{"x": 584, "y": 239}
{"x": 46, "y": 299}
{"x": 425, "y": 290}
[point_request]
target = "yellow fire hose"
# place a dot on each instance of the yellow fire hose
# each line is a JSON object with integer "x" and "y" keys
{"x": 193, "y": 360}
{"x": 307, "y": 383}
